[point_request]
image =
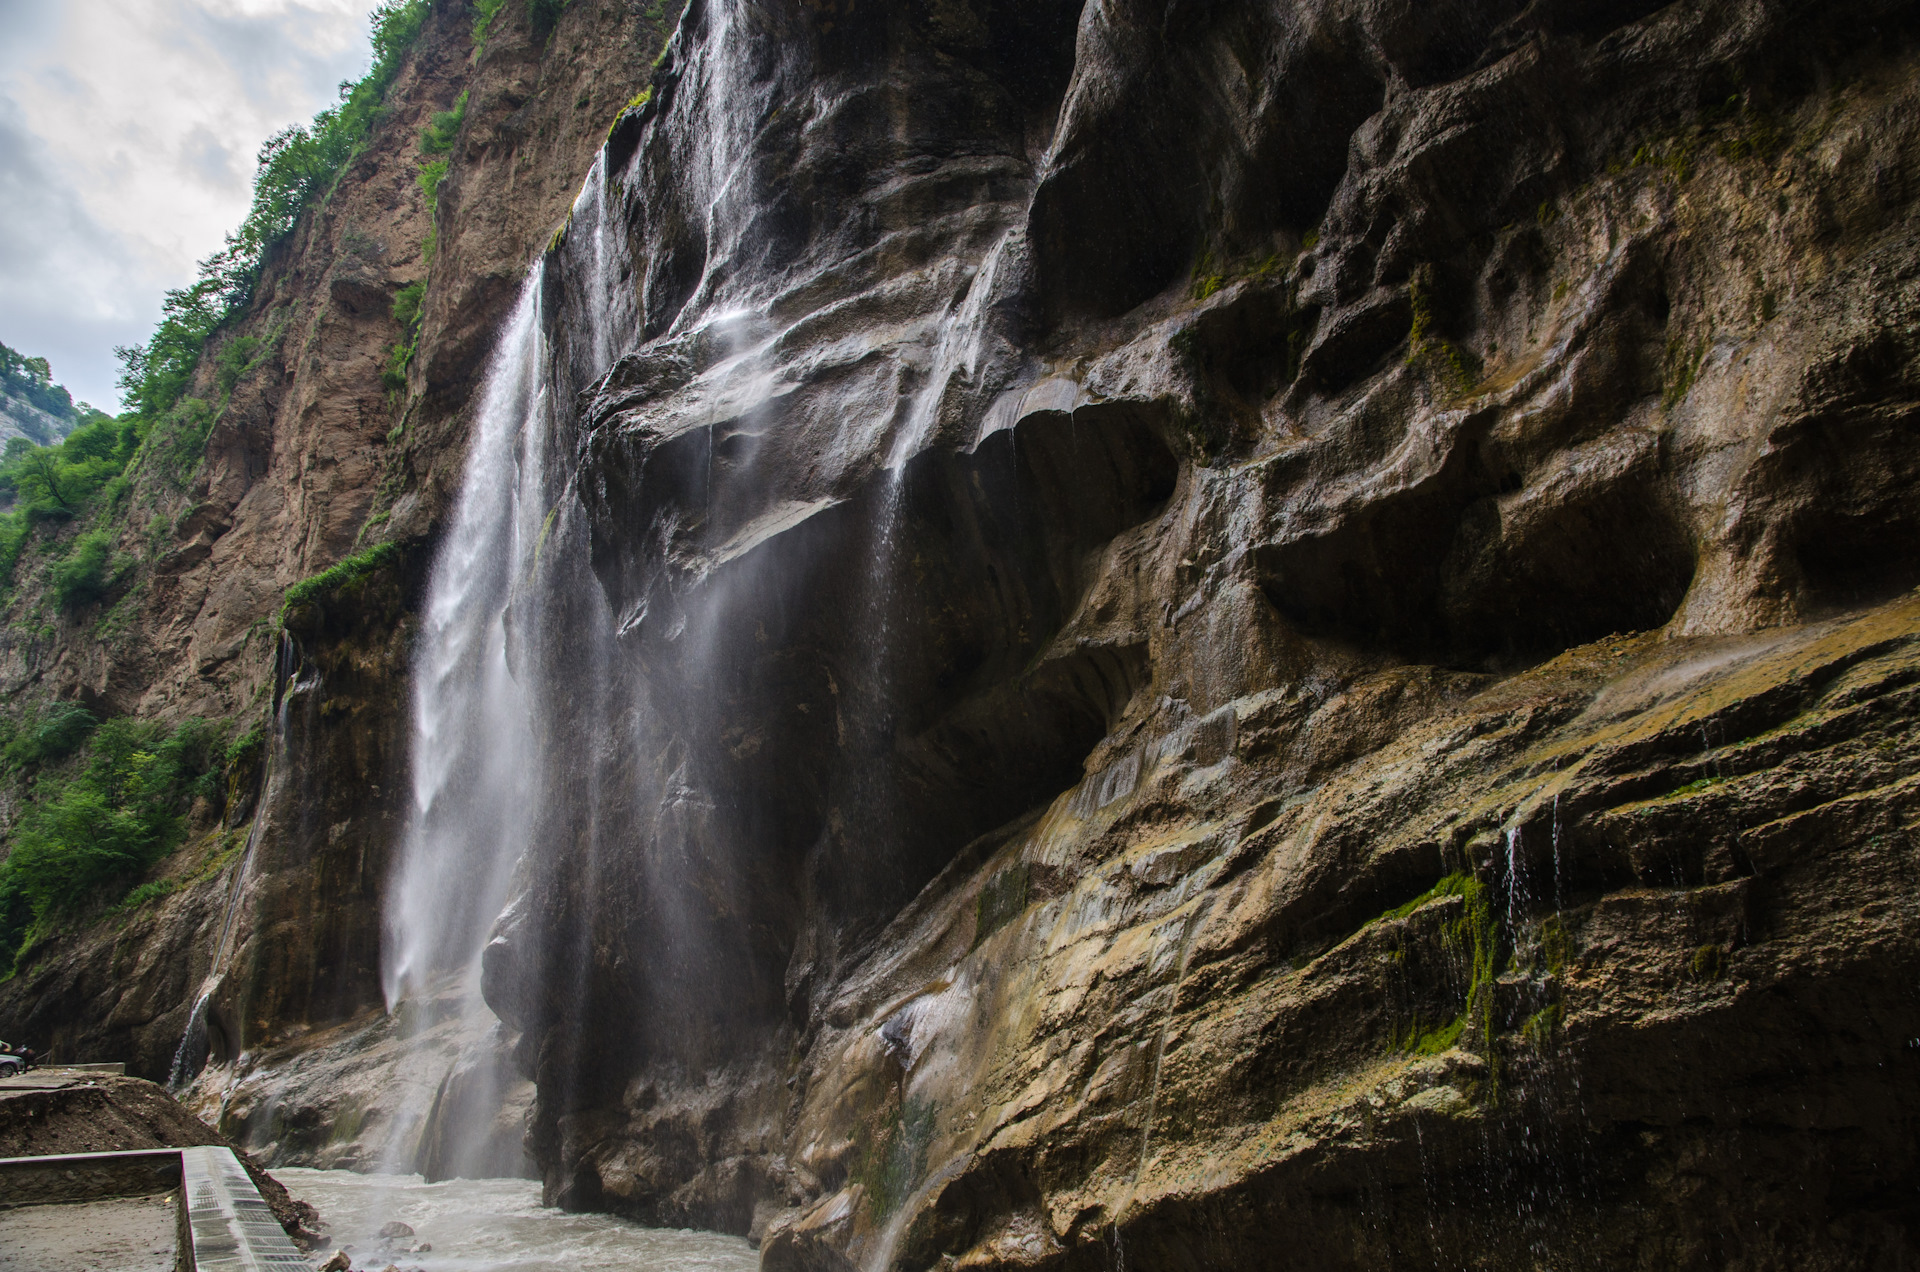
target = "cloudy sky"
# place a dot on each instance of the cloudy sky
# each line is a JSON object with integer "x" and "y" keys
{"x": 128, "y": 130}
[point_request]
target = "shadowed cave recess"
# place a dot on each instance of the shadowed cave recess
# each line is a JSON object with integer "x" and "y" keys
{"x": 1192, "y": 635}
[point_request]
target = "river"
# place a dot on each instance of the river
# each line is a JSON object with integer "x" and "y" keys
{"x": 497, "y": 1225}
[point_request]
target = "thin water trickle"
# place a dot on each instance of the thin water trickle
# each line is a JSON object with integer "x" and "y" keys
{"x": 191, "y": 1053}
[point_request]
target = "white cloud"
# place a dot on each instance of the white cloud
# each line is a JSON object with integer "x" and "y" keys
{"x": 128, "y": 130}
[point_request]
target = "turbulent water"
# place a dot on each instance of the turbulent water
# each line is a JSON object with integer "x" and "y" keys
{"x": 497, "y": 1225}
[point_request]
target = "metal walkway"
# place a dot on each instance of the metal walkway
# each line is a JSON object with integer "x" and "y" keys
{"x": 224, "y": 1223}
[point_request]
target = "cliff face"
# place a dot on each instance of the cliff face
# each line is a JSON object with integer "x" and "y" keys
{"x": 315, "y": 453}
{"x": 1181, "y": 627}
{"x": 1239, "y": 620}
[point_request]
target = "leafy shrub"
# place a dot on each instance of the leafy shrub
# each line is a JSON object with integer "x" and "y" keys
{"x": 406, "y": 305}
{"x": 429, "y": 178}
{"x": 52, "y": 733}
{"x": 84, "y": 839}
{"x": 444, "y": 128}
{"x": 178, "y": 441}
{"x": 152, "y": 890}
{"x": 59, "y": 481}
{"x": 406, "y": 312}
{"x": 346, "y": 574}
{"x": 236, "y": 360}
{"x": 87, "y": 573}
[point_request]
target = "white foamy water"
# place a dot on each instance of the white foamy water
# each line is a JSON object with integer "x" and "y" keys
{"x": 498, "y": 1225}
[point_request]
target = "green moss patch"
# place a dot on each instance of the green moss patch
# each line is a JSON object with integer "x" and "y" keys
{"x": 1002, "y": 900}
{"x": 345, "y": 577}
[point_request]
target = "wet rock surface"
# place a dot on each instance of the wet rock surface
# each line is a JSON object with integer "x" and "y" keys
{"x": 1190, "y": 634}
{"x": 1273, "y": 619}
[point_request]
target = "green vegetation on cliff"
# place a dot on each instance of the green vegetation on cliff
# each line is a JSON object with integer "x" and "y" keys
{"x": 28, "y": 383}
{"x": 48, "y": 486}
{"x": 296, "y": 168}
{"x": 99, "y": 803}
{"x": 341, "y": 577}
{"x": 162, "y": 432}
{"x": 90, "y": 828}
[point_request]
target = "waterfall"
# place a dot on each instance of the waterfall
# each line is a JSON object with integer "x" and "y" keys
{"x": 656, "y": 697}
{"x": 476, "y": 738}
{"x": 195, "y": 1045}
{"x": 473, "y": 736}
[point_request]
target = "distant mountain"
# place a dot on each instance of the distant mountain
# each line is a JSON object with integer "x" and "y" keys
{"x": 31, "y": 404}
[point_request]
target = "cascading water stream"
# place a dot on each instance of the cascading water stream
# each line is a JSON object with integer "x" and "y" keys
{"x": 476, "y": 718}
{"x": 191, "y": 1053}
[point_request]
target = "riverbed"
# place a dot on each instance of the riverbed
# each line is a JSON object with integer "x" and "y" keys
{"x": 496, "y": 1225}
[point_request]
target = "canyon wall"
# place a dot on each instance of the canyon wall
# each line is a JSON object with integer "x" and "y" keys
{"x": 316, "y": 454}
{"x": 1202, "y": 634}
{"x": 1249, "y": 624}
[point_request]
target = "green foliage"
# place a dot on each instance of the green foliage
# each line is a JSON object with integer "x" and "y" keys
{"x": 394, "y": 374}
{"x": 247, "y": 748}
{"x": 484, "y": 12}
{"x": 443, "y": 129}
{"x": 1709, "y": 963}
{"x": 1697, "y": 787}
{"x": 1673, "y": 158}
{"x": 295, "y": 168}
{"x": 246, "y": 756}
{"x": 55, "y": 483}
{"x": 1556, "y": 945}
{"x": 1474, "y": 939}
{"x": 1543, "y": 1027}
{"x": 406, "y": 312}
{"x": 1207, "y": 277}
{"x": 47, "y": 734}
{"x": 1440, "y": 1038}
{"x": 888, "y": 1160}
{"x": 406, "y": 305}
{"x": 87, "y": 572}
{"x": 236, "y": 360}
{"x": 560, "y": 233}
{"x": 348, "y": 573}
{"x": 1454, "y": 885}
{"x": 31, "y": 379}
{"x": 177, "y": 441}
{"x": 429, "y": 178}
{"x": 634, "y": 103}
{"x": 84, "y": 839}
{"x": 152, "y": 890}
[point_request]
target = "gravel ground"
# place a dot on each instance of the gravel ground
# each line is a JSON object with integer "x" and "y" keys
{"x": 126, "y": 1234}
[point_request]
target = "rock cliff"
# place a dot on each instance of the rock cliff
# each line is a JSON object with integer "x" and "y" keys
{"x": 1184, "y": 633}
{"x": 315, "y": 454}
